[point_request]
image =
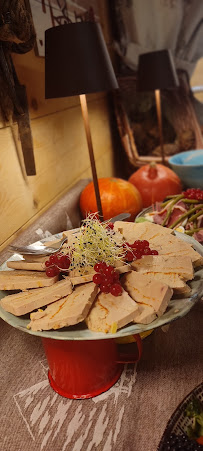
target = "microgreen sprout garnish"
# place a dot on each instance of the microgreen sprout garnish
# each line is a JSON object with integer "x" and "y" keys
{"x": 96, "y": 242}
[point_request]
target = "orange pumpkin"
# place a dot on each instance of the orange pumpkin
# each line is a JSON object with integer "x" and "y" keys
{"x": 117, "y": 196}
{"x": 155, "y": 182}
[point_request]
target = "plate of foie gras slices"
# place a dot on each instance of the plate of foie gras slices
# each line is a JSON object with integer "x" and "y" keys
{"x": 108, "y": 281}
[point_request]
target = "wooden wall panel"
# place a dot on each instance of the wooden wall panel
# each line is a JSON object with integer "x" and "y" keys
{"x": 62, "y": 159}
{"x": 30, "y": 69}
{"x": 60, "y": 147}
{"x": 61, "y": 151}
{"x": 16, "y": 200}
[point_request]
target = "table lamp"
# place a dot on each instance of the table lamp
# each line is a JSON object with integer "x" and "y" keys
{"x": 77, "y": 63}
{"x": 156, "y": 71}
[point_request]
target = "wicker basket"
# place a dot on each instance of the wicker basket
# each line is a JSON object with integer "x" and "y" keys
{"x": 181, "y": 102}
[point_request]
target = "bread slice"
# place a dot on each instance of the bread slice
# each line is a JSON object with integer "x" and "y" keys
{"x": 27, "y": 301}
{"x": 140, "y": 231}
{"x": 146, "y": 291}
{"x": 182, "y": 266}
{"x": 68, "y": 311}
{"x": 28, "y": 266}
{"x": 109, "y": 310}
{"x": 22, "y": 280}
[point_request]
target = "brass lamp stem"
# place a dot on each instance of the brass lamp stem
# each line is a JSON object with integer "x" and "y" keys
{"x": 159, "y": 117}
{"x": 83, "y": 103}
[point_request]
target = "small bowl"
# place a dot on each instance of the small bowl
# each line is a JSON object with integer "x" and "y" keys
{"x": 189, "y": 167}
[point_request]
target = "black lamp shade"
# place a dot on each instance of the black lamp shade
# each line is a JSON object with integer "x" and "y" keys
{"x": 156, "y": 70}
{"x": 77, "y": 61}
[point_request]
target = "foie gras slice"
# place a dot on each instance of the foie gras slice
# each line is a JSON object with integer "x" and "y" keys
{"x": 22, "y": 280}
{"x": 146, "y": 291}
{"x": 72, "y": 236}
{"x": 35, "y": 258}
{"x": 109, "y": 310}
{"x": 27, "y": 301}
{"x": 182, "y": 266}
{"x": 68, "y": 311}
{"x": 145, "y": 314}
{"x": 83, "y": 271}
{"x": 140, "y": 231}
{"x": 173, "y": 246}
{"x": 28, "y": 266}
{"x": 174, "y": 281}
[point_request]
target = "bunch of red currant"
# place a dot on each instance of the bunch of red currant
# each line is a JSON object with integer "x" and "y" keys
{"x": 110, "y": 225}
{"x": 56, "y": 263}
{"x": 193, "y": 193}
{"x": 137, "y": 250}
{"x": 107, "y": 278}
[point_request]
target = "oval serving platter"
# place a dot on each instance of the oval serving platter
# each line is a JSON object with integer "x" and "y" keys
{"x": 177, "y": 308}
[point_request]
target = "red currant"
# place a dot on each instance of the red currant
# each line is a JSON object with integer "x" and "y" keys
{"x": 105, "y": 288}
{"x": 51, "y": 272}
{"x": 97, "y": 278}
{"x": 135, "y": 245}
{"x": 110, "y": 225}
{"x": 138, "y": 249}
{"x": 64, "y": 262}
{"x": 145, "y": 243}
{"x": 193, "y": 193}
{"x": 154, "y": 252}
{"x": 146, "y": 251}
{"x": 56, "y": 270}
{"x": 47, "y": 263}
{"x": 67, "y": 261}
{"x": 115, "y": 276}
{"x": 107, "y": 280}
{"x": 138, "y": 254}
{"x": 108, "y": 270}
{"x": 140, "y": 244}
{"x": 53, "y": 258}
{"x": 99, "y": 267}
{"x": 116, "y": 289}
{"x": 129, "y": 256}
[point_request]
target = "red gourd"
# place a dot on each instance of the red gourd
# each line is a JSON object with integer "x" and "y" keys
{"x": 117, "y": 196}
{"x": 155, "y": 182}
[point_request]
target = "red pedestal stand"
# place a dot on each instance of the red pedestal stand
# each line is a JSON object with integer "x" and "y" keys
{"x": 84, "y": 369}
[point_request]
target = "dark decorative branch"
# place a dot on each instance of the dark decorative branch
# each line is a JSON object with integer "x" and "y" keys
{"x": 63, "y": 18}
{"x": 87, "y": 16}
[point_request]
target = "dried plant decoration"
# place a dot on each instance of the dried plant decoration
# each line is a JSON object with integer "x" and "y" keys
{"x": 17, "y": 35}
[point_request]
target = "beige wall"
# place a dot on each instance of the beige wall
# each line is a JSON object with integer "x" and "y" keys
{"x": 60, "y": 147}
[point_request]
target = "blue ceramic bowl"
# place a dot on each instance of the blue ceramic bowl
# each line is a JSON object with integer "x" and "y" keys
{"x": 189, "y": 167}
